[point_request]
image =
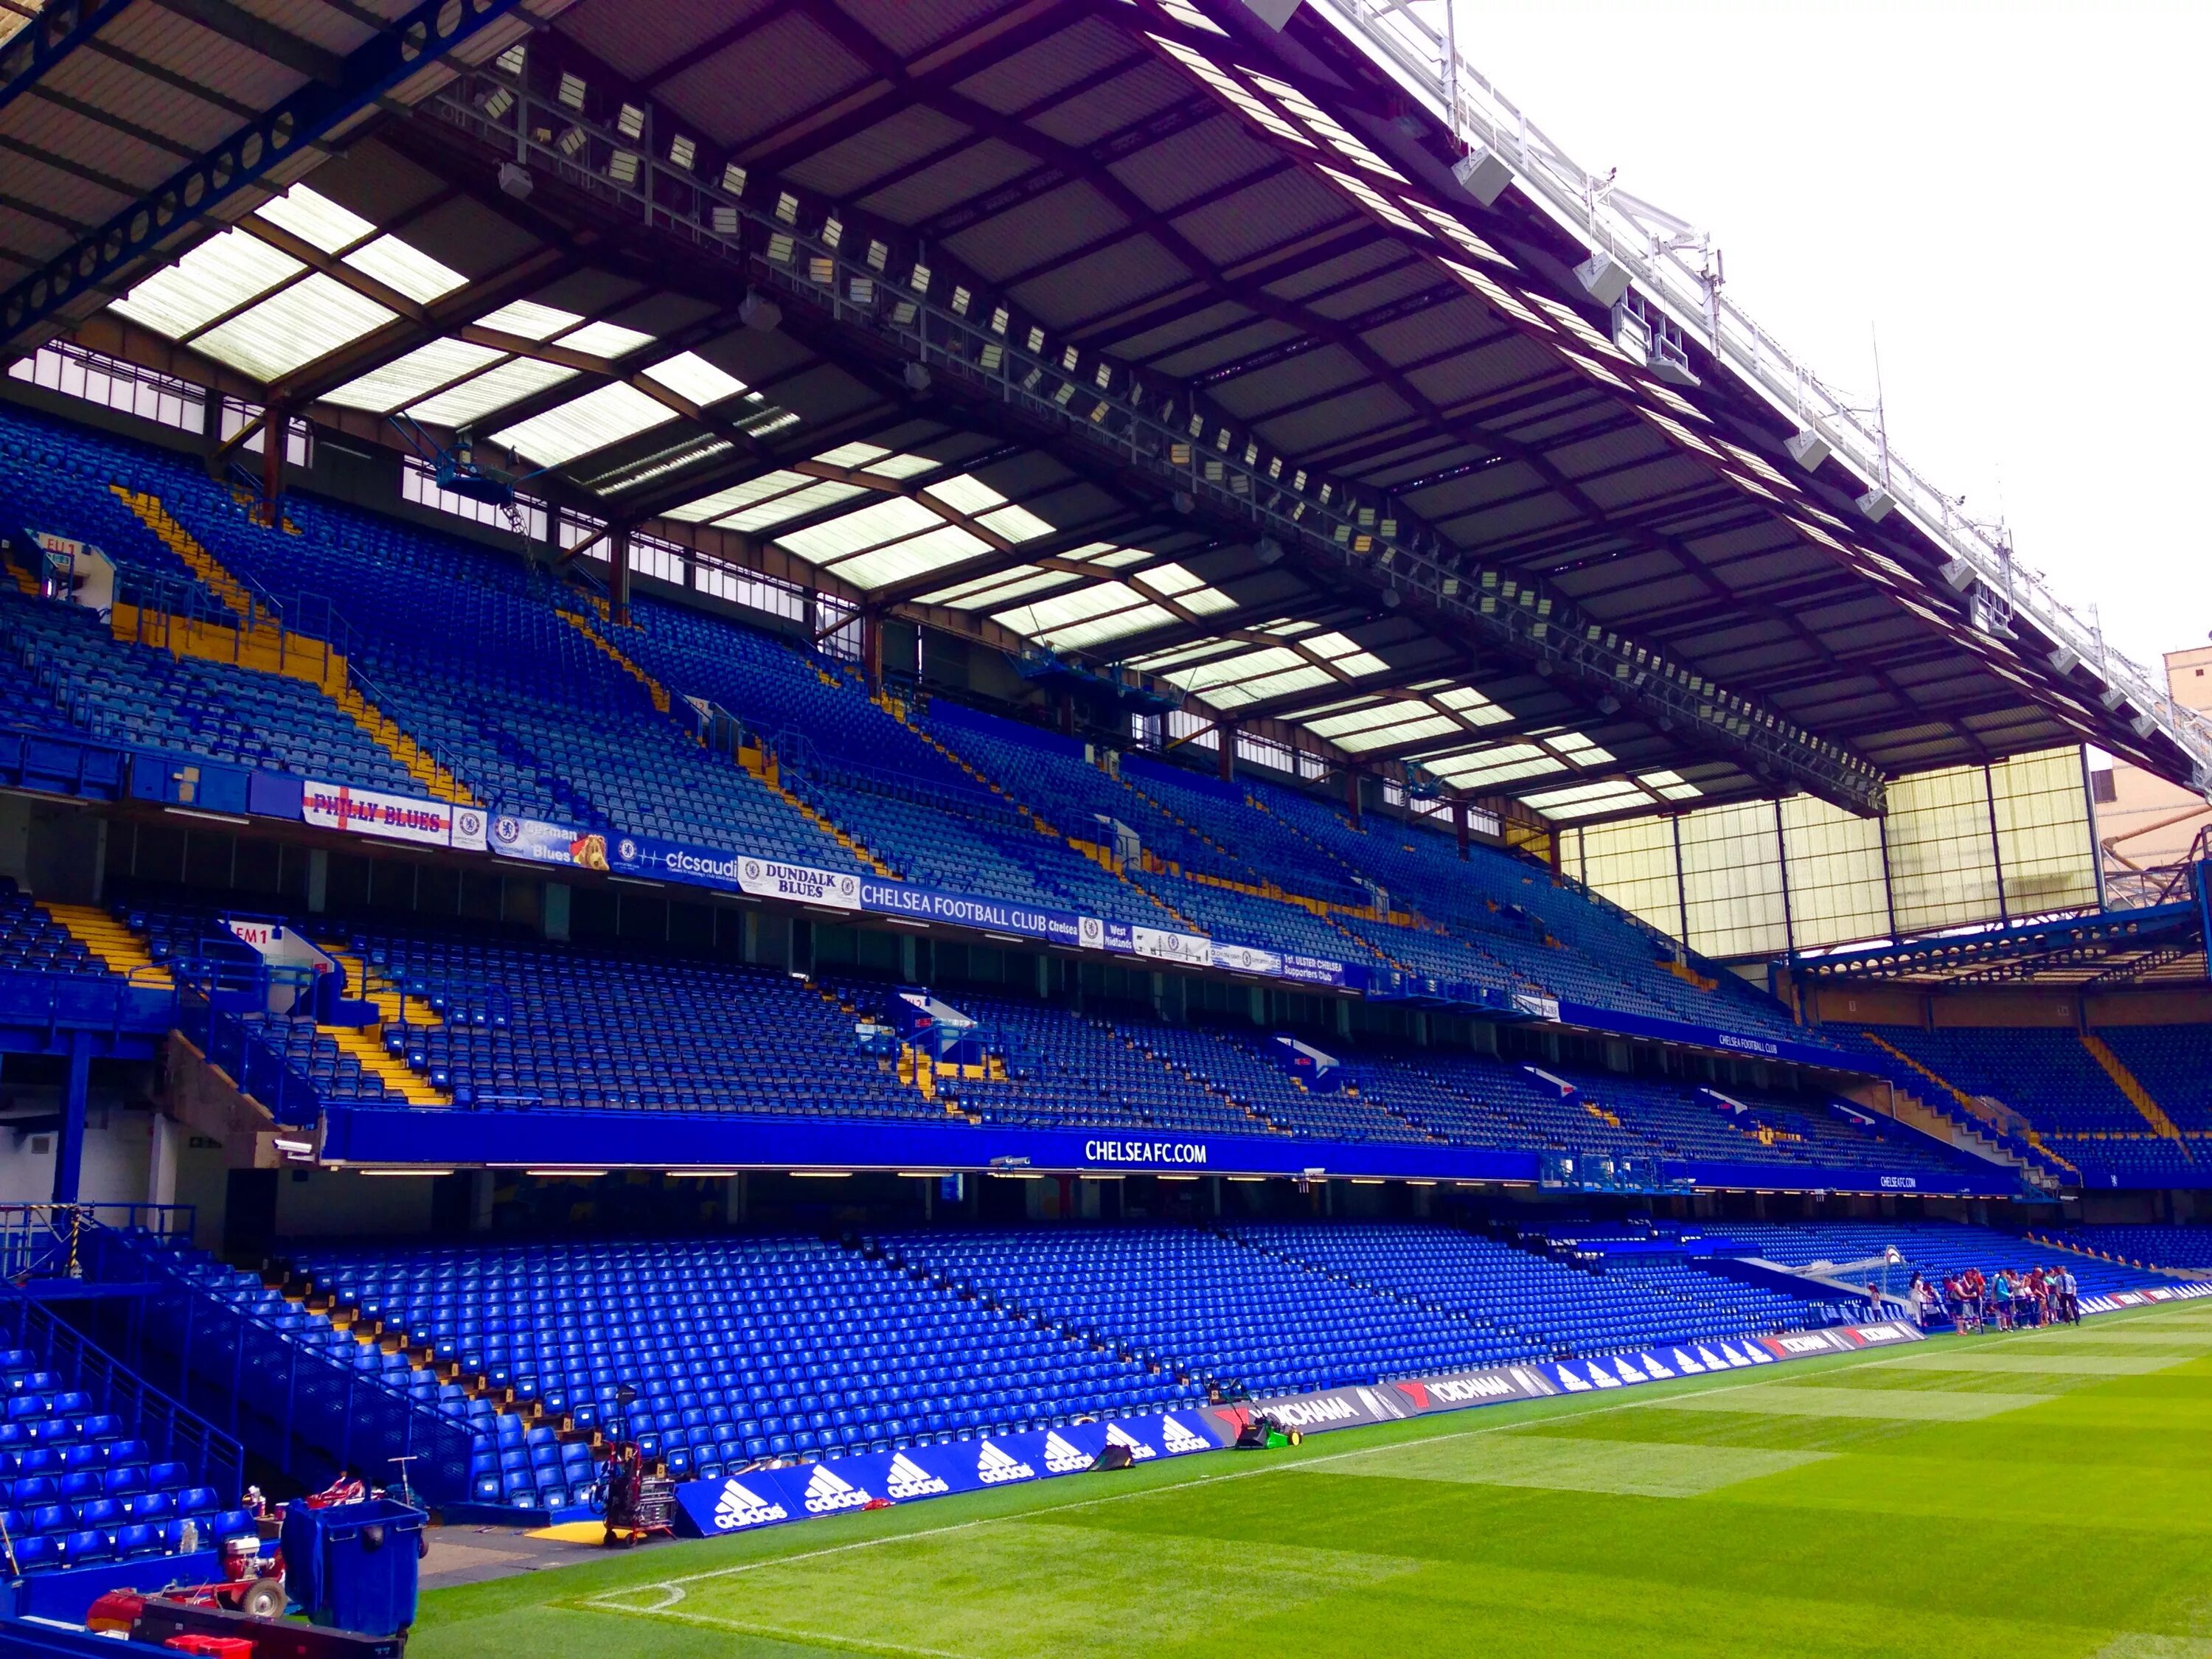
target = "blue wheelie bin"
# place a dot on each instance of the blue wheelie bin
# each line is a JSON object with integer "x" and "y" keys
{"x": 353, "y": 1566}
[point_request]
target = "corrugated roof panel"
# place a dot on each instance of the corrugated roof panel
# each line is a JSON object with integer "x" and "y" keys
{"x": 293, "y": 327}
{"x": 785, "y": 69}
{"x": 493, "y": 390}
{"x": 951, "y": 183}
{"x": 638, "y": 41}
{"x": 220, "y": 275}
{"x": 583, "y": 425}
{"x": 844, "y": 170}
{"x": 421, "y": 372}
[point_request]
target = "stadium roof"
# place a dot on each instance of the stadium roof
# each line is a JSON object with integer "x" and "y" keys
{"x": 1140, "y": 330}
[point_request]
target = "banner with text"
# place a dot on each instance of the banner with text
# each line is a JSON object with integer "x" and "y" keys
{"x": 899, "y": 898}
{"x": 392, "y": 817}
{"x": 736, "y": 872}
{"x": 541, "y": 842}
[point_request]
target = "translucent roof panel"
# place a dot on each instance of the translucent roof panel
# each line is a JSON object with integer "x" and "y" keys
{"x": 316, "y": 220}
{"x": 420, "y": 372}
{"x": 493, "y": 389}
{"x": 219, "y": 275}
{"x": 979, "y": 592}
{"x": 1581, "y": 800}
{"x": 917, "y": 556}
{"x": 530, "y": 319}
{"x": 293, "y": 327}
{"x": 583, "y": 425}
{"x": 604, "y": 339}
{"x": 812, "y": 495}
{"x": 966, "y": 495}
{"x": 888, "y": 520}
{"x": 1504, "y": 764}
{"x": 690, "y": 375}
{"x": 406, "y": 269}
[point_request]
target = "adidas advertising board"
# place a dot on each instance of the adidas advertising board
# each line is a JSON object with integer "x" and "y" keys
{"x": 770, "y": 1497}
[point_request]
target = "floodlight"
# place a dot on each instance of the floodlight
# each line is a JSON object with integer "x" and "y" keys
{"x": 1483, "y": 174}
{"x": 1631, "y": 336}
{"x": 1603, "y": 277}
{"x": 1807, "y": 448}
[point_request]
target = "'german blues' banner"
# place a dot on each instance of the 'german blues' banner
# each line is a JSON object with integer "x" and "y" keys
{"x": 541, "y": 842}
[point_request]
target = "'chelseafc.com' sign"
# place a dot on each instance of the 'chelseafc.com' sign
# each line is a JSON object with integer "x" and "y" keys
{"x": 1144, "y": 1152}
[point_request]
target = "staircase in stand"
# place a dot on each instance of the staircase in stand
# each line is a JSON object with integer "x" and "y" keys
{"x": 2138, "y": 1097}
{"x": 366, "y": 1043}
{"x": 110, "y": 941}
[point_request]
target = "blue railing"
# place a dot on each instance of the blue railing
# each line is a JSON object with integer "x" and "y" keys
{"x": 170, "y": 1430}
{"x": 297, "y": 1406}
{"x": 106, "y": 1003}
{"x": 41, "y": 1240}
{"x": 233, "y": 1046}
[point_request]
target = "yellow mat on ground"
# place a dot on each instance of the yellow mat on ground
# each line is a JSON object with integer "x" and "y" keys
{"x": 572, "y": 1532}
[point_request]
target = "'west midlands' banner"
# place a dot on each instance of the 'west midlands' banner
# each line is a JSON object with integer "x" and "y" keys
{"x": 764, "y": 1498}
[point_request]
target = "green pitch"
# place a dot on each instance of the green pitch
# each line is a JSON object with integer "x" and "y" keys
{"x": 2047, "y": 1493}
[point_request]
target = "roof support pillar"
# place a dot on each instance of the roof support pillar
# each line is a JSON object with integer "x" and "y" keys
{"x": 1352, "y": 792}
{"x": 1459, "y": 825}
{"x": 618, "y": 575}
{"x": 1224, "y": 749}
{"x": 872, "y": 646}
{"x": 275, "y": 429}
{"x": 69, "y": 1148}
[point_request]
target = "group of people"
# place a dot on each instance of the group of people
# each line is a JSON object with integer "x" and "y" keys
{"x": 2008, "y": 1299}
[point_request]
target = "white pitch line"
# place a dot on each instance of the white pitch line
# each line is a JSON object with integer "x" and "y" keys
{"x": 1758, "y": 1374}
{"x": 1593, "y": 1409}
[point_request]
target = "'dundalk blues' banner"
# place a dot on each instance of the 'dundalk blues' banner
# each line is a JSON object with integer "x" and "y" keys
{"x": 765, "y": 1497}
{"x": 736, "y": 872}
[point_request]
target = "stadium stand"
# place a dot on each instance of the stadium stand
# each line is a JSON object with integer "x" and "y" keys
{"x": 2172, "y": 1246}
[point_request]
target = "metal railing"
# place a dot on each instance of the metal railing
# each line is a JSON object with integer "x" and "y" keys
{"x": 1147, "y": 423}
{"x": 236, "y": 1047}
{"x": 1416, "y": 41}
{"x": 284, "y": 1400}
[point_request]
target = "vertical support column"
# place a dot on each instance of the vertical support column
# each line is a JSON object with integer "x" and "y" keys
{"x": 69, "y": 1151}
{"x": 1225, "y": 751}
{"x": 276, "y": 428}
{"x": 483, "y": 1193}
{"x": 1459, "y": 825}
{"x": 618, "y": 573}
{"x": 1352, "y": 792}
{"x": 162, "y": 1161}
{"x": 872, "y": 647}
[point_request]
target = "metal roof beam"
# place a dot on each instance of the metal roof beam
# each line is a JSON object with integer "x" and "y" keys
{"x": 261, "y": 37}
{"x": 401, "y": 64}
{"x": 59, "y": 30}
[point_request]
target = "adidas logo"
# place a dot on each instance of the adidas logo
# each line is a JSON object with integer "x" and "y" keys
{"x": 1118, "y": 1436}
{"x": 739, "y": 1507}
{"x": 907, "y": 1479}
{"x": 1061, "y": 1458}
{"x": 1177, "y": 1438}
{"x": 828, "y": 1493}
{"x": 995, "y": 1466}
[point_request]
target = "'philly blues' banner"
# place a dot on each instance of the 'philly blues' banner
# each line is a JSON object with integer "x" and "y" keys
{"x": 743, "y": 1502}
{"x": 898, "y": 898}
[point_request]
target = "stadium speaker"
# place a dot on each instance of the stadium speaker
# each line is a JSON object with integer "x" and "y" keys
{"x": 1603, "y": 277}
{"x": 1483, "y": 174}
{"x": 2063, "y": 661}
{"x": 1876, "y": 504}
{"x": 1115, "y": 1455}
{"x": 1807, "y": 448}
{"x": 756, "y": 311}
{"x": 1275, "y": 14}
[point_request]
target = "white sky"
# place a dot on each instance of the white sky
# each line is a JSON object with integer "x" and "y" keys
{"x": 2010, "y": 193}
